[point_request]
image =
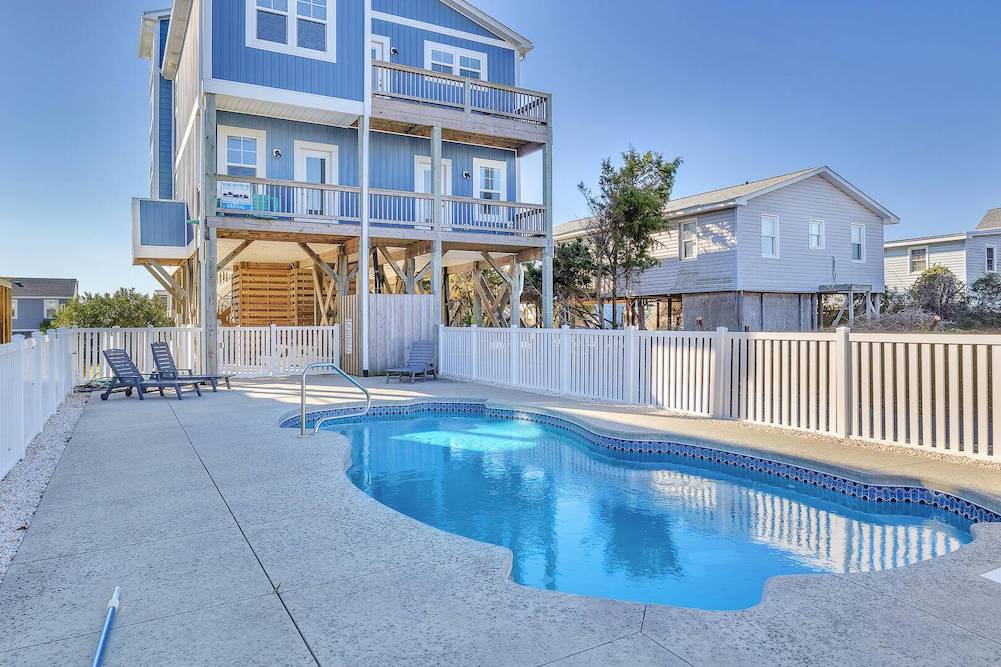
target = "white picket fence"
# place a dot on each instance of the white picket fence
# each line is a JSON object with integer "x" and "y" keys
{"x": 36, "y": 374}
{"x": 243, "y": 351}
{"x": 931, "y": 391}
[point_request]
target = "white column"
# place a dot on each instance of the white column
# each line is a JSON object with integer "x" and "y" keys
{"x": 363, "y": 243}
{"x": 547, "y": 256}
{"x": 437, "y": 187}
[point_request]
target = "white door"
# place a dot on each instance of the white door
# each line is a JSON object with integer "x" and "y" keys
{"x": 316, "y": 163}
{"x": 422, "y": 185}
{"x": 379, "y": 47}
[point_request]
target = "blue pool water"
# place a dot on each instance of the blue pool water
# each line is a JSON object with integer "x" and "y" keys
{"x": 643, "y": 527}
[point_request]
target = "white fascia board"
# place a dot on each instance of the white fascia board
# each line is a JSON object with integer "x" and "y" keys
{"x": 521, "y": 44}
{"x": 924, "y": 240}
{"x": 291, "y": 98}
{"x": 442, "y": 30}
{"x": 179, "y": 15}
{"x": 695, "y": 210}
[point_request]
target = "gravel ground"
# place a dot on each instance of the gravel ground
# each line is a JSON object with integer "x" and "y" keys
{"x": 22, "y": 488}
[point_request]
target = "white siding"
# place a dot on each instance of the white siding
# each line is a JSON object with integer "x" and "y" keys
{"x": 798, "y": 268}
{"x": 714, "y": 268}
{"x": 976, "y": 255}
{"x": 897, "y": 262}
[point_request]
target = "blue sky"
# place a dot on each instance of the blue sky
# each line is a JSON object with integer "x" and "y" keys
{"x": 901, "y": 98}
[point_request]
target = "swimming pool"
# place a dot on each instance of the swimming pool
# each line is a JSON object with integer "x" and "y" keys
{"x": 645, "y": 527}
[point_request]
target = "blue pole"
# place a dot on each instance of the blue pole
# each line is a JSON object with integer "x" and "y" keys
{"x": 101, "y": 645}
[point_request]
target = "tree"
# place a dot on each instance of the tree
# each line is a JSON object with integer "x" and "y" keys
{"x": 938, "y": 291}
{"x": 124, "y": 308}
{"x": 985, "y": 301}
{"x": 573, "y": 270}
{"x": 627, "y": 212}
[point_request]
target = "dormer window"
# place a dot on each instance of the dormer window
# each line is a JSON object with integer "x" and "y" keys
{"x": 296, "y": 27}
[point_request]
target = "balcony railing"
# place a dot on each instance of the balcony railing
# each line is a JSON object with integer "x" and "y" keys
{"x": 267, "y": 198}
{"x": 413, "y": 84}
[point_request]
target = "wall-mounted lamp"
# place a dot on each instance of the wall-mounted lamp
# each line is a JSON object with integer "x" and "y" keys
{"x": 466, "y": 175}
{"x": 277, "y": 153}
{"x": 393, "y": 51}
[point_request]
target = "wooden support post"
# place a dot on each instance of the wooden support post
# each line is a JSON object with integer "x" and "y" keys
{"x": 517, "y": 283}
{"x": 363, "y": 241}
{"x": 437, "y": 189}
{"x": 477, "y": 300}
{"x": 210, "y": 270}
{"x": 547, "y": 257}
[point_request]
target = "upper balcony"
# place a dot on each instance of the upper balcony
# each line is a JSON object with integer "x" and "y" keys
{"x": 273, "y": 207}
{"x": 410, "y": 100}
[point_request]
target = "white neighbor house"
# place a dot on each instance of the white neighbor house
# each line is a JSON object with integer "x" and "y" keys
{"x": 969, "y": 255}
{"x": 761, "y": 255}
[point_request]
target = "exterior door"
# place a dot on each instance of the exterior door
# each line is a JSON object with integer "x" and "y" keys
{"x": 422, "y": 185}
{"x": 316, "y": 163}
{"x": 379, "y": 47}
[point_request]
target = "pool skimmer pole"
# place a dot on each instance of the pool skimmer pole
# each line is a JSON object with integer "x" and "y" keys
{"x": 101, "y": 645}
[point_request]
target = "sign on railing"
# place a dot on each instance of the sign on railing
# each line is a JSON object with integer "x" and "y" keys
{"x": 932, "y": 391}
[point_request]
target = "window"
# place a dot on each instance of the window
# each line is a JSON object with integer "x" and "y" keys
{"x": 241, "y": 152}
{"x": 688, "y": 239}
{"x": 991, "y": 266}
{"x": 769, "y": 236}
{"x": 490, "y": 182}
{"x": 858, "y": 243}
{"x": 296, "y": 27}
{"x": 49, "y": 308}
{"x": 454, "y": 60}
{"x": 816, "y": 234}
{"x": 13, "y": 312}
{"x": 918, "y": 260}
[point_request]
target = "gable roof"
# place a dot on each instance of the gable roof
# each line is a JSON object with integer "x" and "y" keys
{"x": 991, "y": 219}
{"x": 738, "y": 195}
{"x": 37, "y": 288}
{"x": 521, "y": 44}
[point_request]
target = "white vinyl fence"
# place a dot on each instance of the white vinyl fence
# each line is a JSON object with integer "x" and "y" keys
{"x": 36, "y": 374}
{"x": 243, "y": 351}
{"x": 938, "y": 392}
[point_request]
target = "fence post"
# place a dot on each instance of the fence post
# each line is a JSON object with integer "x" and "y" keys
{"x": 630, "y": 385}
{"x": 720, "y": 373}
{"x": 514, "y": 344}
{"x": 474, "y": 366}
{"x": 843, "y": 381}
{"x": 565, "y": 359}
{"x": 148, "y": 351}
{"x": 440, "y": 334}
{"x": 273, "y": 346}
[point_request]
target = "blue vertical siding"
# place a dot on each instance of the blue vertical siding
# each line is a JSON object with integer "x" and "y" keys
{"x": 391, "y": 163}
{"x": 431, "y": 11}
{"x": 232, "y": 60}
{"x": 164, "y": 223}
{"x": 282, "y": 134}
{"x": 165, "y": 126}
{"x": 409, "y": 42}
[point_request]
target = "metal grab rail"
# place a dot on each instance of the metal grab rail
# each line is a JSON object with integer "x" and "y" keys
{"x": 302, "y": 398}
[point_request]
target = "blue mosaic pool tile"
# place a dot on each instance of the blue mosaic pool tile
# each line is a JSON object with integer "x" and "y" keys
{"x": 872, "y": 492}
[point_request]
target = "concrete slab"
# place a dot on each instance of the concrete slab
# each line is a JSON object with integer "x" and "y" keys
{"x": 635, "y": 649}
{"x": 461, "y": 610}
{"x": 57, "y": 598}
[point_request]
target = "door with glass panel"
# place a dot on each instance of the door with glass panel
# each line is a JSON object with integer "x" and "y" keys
{"x": 422, "y": 185}
{"x": 490, "y": 184}
{"x": 379, "y": 47}
{"x": 316, "y": 163}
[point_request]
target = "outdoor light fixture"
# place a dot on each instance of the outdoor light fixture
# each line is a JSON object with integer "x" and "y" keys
{"x": 277, "y": 152}
{"x": 393, "y": 51}
{"x": 466, "y": 175}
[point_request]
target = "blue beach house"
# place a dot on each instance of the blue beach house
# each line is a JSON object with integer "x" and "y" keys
{"x": 308, "y": 152}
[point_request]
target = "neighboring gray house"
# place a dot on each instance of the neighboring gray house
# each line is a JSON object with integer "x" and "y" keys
{"x": 38, "y": 299}
{"x": 760, "y": 256}
{"x": 969, "y": 255}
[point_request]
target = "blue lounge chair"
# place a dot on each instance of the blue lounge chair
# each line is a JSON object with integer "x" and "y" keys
{"x": 420, "y": 362}
{"x": 128, "y": 376}
{"x": 166, "y": 369}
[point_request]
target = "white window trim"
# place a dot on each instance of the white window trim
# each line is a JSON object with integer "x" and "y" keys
{"x": 425, "y": 161}
{"x": 223, "y": 133}
{"x": 299, "y": 168}
{"x": 497, "y": 164}
{"x": 910, "y": 258}
{"x": 13, "y": 311}
{"x": 681, "y": 240}
{"x": 778, "y": 241}
{"x": 456, "y": 51}
{"x": 330, "y": 55}
{"x": 851, "y": 242}
{"x": 45, "y": 308}
{"x": 994, "y": 252}
{"x": 823, "y": 234}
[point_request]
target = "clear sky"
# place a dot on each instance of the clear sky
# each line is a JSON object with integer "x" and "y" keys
{"x": 901, "y": 98}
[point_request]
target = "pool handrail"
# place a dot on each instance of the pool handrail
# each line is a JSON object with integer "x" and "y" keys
{"x": 302, "y": 398}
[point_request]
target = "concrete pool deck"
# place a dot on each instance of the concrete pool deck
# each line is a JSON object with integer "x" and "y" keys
{"x": 201, "y": 509}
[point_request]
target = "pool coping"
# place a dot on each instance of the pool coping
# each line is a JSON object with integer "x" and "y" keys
{"x": 882, "y": 487}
